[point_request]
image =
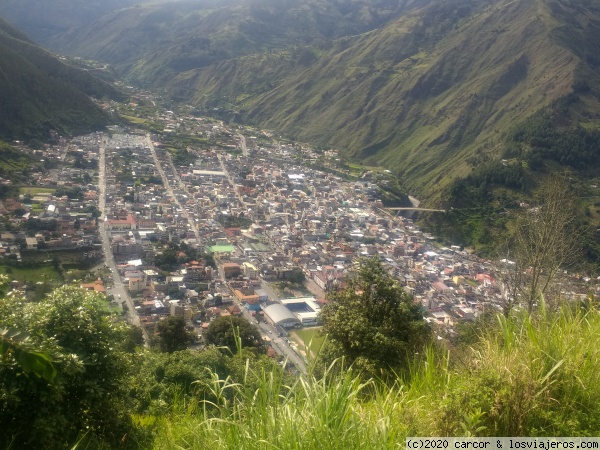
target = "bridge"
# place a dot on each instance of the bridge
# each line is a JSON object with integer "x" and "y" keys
{"x": 415, "y": 209}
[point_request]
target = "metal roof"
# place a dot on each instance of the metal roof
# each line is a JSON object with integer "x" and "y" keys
{"x": 280, "y": 314}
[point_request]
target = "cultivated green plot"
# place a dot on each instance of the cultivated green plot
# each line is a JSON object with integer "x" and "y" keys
{"x": 31, "y": 190}
{"x": 310, "y": 338}
{"x": 43, "y": 273}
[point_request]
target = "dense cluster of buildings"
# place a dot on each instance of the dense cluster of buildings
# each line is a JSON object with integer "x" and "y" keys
{"x": 267, "y": 218}
{"x": 58, "y": 210}
{"x": 210, "y": 236}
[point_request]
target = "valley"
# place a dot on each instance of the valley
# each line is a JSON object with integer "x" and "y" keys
{"x": 200, "y": 220}
{"x": 263, "y": 211}
{"x": 297, "y": 224}
{"x": 449, "y": 98}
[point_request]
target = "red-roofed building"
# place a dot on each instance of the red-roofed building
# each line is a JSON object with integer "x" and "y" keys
{"x": 485, "y": 279}
{"x": 97, "y": 286}
{"x": 122, "y": 224}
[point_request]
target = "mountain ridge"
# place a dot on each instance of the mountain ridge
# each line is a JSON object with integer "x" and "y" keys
{"x": 446, "y": 106}
{"x": 431, "y": 89}
{"x": 39, "y": 93}
{"x": 209, "y": 32}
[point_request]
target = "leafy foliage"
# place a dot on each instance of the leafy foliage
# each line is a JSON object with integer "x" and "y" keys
{"x": 183, "y": 157}
{"x": 373, "y": 323}
{"x": 224, "y": 332}
{"x": 72, "y": 326}
{"x": 539, "y": 138}
{"x": 229, "y": 221}
{"x": 13, "y": 344}
{"x": 162, "y": 378}
{"x": 526, "y": 375}
{"x": 477, "y": 186}
{"x": 173, "y": 255}
{"x": 172, "y": 335}
{"x": 16, "y": 166}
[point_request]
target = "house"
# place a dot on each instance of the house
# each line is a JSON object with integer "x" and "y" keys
{"x": 231, "y": 270}
{"x": 97, "y": 286}
{"x": 234, "y": 310}
{"x": 122, "y": 224}
{"x": 32, "y": 243}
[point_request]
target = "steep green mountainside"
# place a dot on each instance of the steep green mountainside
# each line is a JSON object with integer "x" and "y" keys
{"x": 40, "y": 93}
{"x": 42, "y": 19}
{"x": 433, "y": 89}
{"x": 150, "y": 43}
{"x": 471, "y": 103}
{"x": 430, "y": 92}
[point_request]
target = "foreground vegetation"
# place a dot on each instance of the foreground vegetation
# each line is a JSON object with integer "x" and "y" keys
{"x": 526, "y": 375}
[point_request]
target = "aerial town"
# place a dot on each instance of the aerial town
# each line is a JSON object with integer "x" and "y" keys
{"x": 243, "y": 225}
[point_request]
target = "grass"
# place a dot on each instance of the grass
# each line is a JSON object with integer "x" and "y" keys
{"x": 66, "y": 257}
{"x": 360, "y": 168}
{"x": 35, "y": 190}
{"x": 133, "y": 119}
{"x": 309, "y": 338}
{"x": 33, "y": 275}
{"x": 526, "y": 376}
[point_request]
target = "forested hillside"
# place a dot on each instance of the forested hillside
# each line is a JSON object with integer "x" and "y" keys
{"x": 151, "y": 42}
{"x": 40, "y": 93}
{"x": 436, "y": 93}
{"x": 420, "y": 87}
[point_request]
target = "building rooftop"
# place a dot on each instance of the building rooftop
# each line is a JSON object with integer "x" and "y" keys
{"x": 278, "y": 313}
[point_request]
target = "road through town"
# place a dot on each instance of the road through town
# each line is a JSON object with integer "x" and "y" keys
{"x": 118, "y": 290}
{"x": 167, "y": 185}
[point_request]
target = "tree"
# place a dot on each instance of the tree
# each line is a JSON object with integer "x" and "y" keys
{"x": 222, "y": 332}
{"x": 297, "y": 277}
{"x": 163, "y": 378}
{"x": 545, "y": 241}
{"x": 87, "y": 393}
{"x": 134, "y": 339}
{"x": 172, "y": 335}
{"x": 373, "y": 323}
{"x": 13, "y": 343}
{"x": 167, "y": 259}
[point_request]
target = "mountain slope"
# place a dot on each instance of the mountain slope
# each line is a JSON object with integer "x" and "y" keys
{"x": 39, "y": 93}
{"x": 42, "y": 19}
{"x": 424, "y": 98}
{"x": 430, "y": 88}
{"x": 149, "y": 43}
{"x": 431, "y": 94}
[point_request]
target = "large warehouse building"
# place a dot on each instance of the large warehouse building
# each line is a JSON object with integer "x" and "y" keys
{"x": 278, "y": 314}
{"x": 293, "y": 312}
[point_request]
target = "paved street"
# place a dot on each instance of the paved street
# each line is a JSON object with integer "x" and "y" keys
{"x": 279, "y": 344}
{"x": 172, "y": 182}
{"x": 282, "y": 347}
{"x": 118, "y": 290}
{"x": 243, "y": 145}
{"x": 169, "y": 188}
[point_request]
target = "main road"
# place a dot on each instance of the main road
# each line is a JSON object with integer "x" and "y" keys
{"x": 243, "y": 145}
{"x": 280, "y": 345}
{"x": 169, "y": 188}
{"x": 118, "y": 290}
